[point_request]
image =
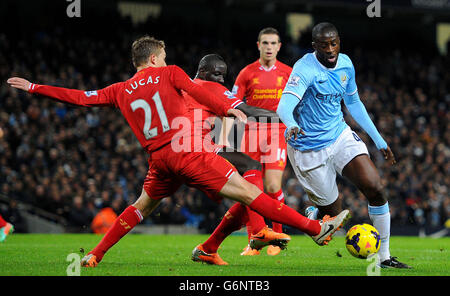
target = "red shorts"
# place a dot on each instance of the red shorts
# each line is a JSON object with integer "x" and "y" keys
{"x": 265, "y": 143}
{"x": 168, "y": 170}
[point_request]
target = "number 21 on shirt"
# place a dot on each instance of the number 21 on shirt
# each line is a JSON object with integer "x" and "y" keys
{"x": 147, "y": 130}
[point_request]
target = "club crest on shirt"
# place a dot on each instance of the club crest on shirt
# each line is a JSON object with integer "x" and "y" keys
{"x": 344, "y": 79}
{"x": 279, "y": 80}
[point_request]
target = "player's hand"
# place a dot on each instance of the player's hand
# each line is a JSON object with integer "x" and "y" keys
{"x": 388, "y": 155}
{"x": 237, "y": 114}
{"x": 19, "y": 83}
{"x": 293, "y": 132}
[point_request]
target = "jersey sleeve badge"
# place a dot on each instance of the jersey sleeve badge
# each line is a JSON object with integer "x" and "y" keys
{"x": 293, "y": 80}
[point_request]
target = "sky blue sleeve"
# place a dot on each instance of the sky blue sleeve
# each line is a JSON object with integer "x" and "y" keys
{"x": 285, "y": 109}
{"x": 351, "y": 86}
{"x": 293, "y": 93}
{"x": 359, "y": 113}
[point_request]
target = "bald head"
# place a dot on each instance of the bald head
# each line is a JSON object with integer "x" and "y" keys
{"x": 212, "y": 67}
{"x": 208, "y": 61}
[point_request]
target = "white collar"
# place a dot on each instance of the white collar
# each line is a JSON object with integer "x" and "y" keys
{"x": 261, "y": 67}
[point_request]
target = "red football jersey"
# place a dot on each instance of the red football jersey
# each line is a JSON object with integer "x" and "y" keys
{"x": 149, "y": 101}
{"x": 262, "y": 87}
{"x": 207, "y": 114}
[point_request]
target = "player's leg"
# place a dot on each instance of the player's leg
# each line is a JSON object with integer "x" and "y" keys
{"x": 353, "y": 162}
{"x": 272, "y": 181}
{"x": 211, "y": 179}
{"x": 123, "y": 224}
{"x": 220, "y": 179}
{"x": 332, "y": 210}
{"x": 250, "y": 146}
{"x": 274, "y": 163}
{"x": 251, "y": 170}
{"x": 240, "y": 190}
{"x": 362, "y": 172}
{"x": 334, "y": 158}
{"x": 317, "y": 176}
{"x": 271, "y": 151}
{"x": 232, "y": 221}
{"x": 158, "y": 184}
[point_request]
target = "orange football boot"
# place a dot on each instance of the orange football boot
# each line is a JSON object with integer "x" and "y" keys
{"x": 267, "y": 236}
{"x": 90, "y": 260}
{"x": 199, "y": 255}
{"x": 249, "y": 251}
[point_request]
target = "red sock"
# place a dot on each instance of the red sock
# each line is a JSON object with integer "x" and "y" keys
{"x": 233, "y": 220}
{"x": 255, "y": 221}
{"x": 129, "y": 218}
{"x": 277, "y": 227}
{"x": 2, "y": 222}
{"x": 279, "y": 212}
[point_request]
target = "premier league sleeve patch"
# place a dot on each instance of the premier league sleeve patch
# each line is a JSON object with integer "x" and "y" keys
{"x": 293, "y": 80}
{"x": 91, "y": 93}
{"x": 230, "y": 95}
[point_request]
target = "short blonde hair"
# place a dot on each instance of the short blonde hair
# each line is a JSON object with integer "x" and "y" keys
{"x": 143, "y": 47}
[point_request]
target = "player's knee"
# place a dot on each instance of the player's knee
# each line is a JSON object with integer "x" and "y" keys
{"x": 144, "y": 204}
{"x": 273, "y": 180}
{"x": 141, "y": 204}
{"x": 272, "y": 186}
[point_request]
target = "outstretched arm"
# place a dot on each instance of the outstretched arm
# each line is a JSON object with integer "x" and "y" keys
{"x": 103, "y": 97}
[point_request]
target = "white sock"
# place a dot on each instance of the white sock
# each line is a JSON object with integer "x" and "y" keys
{"x": 381, "y": 219}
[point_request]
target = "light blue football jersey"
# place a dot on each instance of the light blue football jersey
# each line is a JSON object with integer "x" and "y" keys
{"x": 320, "y": 91}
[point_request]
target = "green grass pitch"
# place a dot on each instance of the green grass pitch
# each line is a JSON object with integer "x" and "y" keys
{"x": 169, "y": 255}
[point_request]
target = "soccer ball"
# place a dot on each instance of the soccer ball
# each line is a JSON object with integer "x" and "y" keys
{"x": 362, "y": 240}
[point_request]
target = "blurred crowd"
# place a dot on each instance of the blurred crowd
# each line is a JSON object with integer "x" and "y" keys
{"x": 74, "y": 161}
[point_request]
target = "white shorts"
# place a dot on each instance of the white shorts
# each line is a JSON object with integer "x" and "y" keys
{"x": 316, "y": 170}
